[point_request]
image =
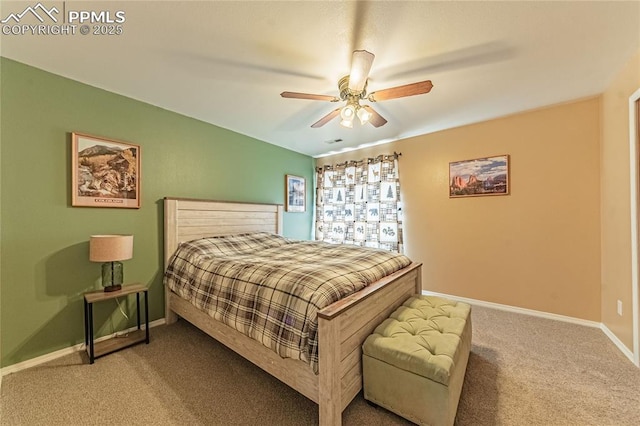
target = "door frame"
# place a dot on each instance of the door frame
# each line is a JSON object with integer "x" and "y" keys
{"x": 634, "y": 140}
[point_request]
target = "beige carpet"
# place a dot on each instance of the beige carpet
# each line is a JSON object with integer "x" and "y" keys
{"x": 522, "y": 371}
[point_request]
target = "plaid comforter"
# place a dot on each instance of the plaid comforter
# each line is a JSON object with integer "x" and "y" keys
{"x": 271, "y": 288}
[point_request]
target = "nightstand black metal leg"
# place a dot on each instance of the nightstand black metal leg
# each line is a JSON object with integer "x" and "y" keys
{"x": 91, "y": 353}
{"x": 86, "y": 325}
{"x": 138, "y": 308}
{"x": 146, "y": 315}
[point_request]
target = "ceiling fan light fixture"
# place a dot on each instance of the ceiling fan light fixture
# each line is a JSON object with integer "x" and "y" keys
{"x": 347, "y": 123}
{"x": 348, "y": 112}
{"x": 363, "y": 115}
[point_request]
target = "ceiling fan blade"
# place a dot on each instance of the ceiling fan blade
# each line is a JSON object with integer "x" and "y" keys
{"x": 453, "y": 60}
{"x": 327, "y": 118}
{"x": 376, "y": 119}
{"x": 401, "y": 91}
{"x": 296, "y": 95}
{"x": 360, "y": 67}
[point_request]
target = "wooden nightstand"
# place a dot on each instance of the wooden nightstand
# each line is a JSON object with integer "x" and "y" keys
{"x": 98, "y": 349}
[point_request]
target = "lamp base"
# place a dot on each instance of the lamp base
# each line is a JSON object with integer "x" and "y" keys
{"x": 112, "y": 275}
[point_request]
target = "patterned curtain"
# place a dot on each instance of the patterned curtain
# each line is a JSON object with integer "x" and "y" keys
{"x": 358, "y": 202}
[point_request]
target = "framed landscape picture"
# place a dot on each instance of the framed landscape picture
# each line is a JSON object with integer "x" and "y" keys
{"x": 480, "y": 176}
{"x": 296, "y": 193}
{"x": 104, "y": 172}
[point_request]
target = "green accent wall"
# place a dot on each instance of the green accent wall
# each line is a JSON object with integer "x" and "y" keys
{"x": 45, "y": 267}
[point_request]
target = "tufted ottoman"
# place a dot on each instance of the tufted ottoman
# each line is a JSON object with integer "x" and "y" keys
{"x": 414, "y": 362}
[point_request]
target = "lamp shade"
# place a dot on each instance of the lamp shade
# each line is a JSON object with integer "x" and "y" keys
{"x": 110, "y": 248}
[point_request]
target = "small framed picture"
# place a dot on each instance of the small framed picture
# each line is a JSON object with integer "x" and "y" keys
{"x": 480, "y": 176}
{"x": 296, "y": 193}
{"x": 104, "y": 172}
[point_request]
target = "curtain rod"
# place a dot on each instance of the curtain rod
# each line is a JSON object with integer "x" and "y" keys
{"x": 381, "y": 157}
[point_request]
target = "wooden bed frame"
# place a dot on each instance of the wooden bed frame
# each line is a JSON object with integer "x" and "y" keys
{"x": 342, "y": 326}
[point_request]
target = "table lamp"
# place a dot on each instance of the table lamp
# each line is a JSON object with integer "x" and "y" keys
{"x": 110, "y": 249}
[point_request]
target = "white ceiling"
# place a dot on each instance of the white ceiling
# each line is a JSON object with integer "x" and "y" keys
{"x": 226, "y": 62}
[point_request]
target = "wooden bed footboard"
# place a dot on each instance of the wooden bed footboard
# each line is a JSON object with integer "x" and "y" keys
{"x": 342, "y": 326}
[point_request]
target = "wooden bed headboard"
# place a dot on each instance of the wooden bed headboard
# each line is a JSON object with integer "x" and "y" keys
{"x": 188, "y": 219}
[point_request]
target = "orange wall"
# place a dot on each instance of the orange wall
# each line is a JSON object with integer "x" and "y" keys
{"x": 616, "y": 223}
{"x": 537, "y": 248}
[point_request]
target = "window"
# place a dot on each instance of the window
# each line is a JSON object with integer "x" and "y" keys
{"x": 358, "y": 202}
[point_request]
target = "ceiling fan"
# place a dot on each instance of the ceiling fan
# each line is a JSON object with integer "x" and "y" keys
{"x": 353, "y": 88}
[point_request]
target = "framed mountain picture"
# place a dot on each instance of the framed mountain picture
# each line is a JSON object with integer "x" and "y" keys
{"x": 104, "y": 172}
{"x": 480, "y": 176}
{"x": 295, "y": 194}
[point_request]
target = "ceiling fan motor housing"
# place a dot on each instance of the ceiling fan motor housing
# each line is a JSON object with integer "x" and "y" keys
{"x": 345, "y": 93}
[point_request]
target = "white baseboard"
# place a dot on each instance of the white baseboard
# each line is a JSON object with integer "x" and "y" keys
{"x": 66, "y": 351}
{"x": 517, "y": 310}
{"x": 626, "y": 351}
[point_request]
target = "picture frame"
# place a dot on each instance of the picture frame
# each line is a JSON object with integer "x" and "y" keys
{"x": 295, "y": 193}
{"x": 479, "y": 177}
{"x": 104, "y": 172}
